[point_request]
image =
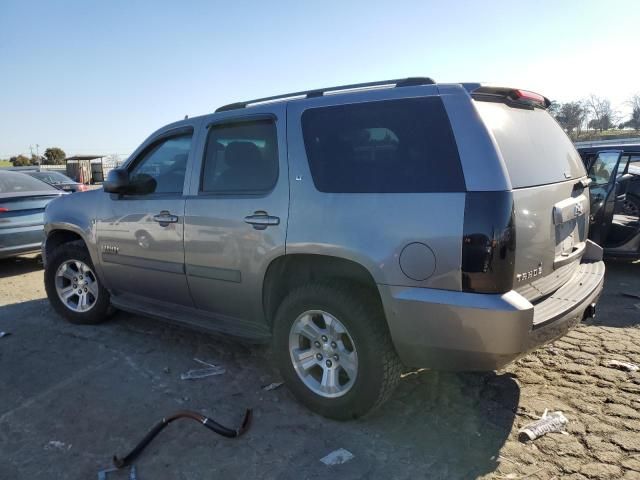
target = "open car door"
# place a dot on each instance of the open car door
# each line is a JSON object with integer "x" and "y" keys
{"x": 603, "y": 173}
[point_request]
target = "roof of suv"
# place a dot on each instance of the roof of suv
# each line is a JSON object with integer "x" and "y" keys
{"x": 318, "y": 92}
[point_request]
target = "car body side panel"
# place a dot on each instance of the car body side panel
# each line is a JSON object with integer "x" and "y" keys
{"x": 371, "y": 229}
{"x": 484, "y": 168}
{"x": 226, "y": 259}
{"x": 77, "y": 213}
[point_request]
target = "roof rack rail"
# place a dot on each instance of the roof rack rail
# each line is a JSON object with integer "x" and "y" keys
{"x": 319, "y": 92}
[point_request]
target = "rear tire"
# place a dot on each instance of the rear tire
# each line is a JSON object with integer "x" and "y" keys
{"x": 70, "y": 274}
{"x": 351, "y": 319}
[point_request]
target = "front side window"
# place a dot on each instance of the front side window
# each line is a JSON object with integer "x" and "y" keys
{"x": 163, "y": 166}
{"x": 382, "y": 147}
{"x": 241, "y": 157}
{"x": 603, "y": 167}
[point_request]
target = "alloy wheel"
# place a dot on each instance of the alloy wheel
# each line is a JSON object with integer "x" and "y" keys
{"x": 323, "y": 353}
{"x": 76, "y": 286}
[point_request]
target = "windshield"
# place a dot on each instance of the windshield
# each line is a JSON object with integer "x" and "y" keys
{"x": 534, "y": 147}
{"x": 53, "y": 178}
{"x": 20, "y": 182}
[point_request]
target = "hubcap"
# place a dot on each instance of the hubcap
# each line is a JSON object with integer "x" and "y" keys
{"x": 323, "y": 354}
{"x": 76, "y": 285}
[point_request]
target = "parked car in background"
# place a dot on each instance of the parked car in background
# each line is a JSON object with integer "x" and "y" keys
{"x": 58, "y": 180}
{"x": 22, "y": 203}
{"x": 357, "y": 228}
{"x": 614, "y": 171}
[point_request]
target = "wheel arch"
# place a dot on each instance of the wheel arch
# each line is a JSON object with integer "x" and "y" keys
{"x": 60, "y": 234}
{"x": 290, "y": 271}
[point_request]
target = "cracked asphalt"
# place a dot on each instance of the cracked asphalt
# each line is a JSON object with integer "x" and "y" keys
{"x": 72, "y": 396}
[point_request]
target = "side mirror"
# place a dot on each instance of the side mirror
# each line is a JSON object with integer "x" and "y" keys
{"x": 117, "y": 181}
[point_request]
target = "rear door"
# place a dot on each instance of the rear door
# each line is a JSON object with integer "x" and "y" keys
{"x": 551, "y": 201}
{"x": 236, "y": 215}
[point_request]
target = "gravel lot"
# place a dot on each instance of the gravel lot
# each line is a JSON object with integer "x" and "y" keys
{"x": 72, "y": 396}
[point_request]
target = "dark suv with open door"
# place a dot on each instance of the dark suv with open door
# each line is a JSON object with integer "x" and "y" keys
{"x": 614, "y": 171}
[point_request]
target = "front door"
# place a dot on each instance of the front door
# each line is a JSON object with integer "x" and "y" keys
{"x": 140, "y": 237}
{"x": 236, "y": 219}
{"x": 603, "y": 172}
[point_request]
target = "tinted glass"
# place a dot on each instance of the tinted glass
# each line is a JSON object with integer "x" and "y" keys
{"x": 165, "y": 163}
{"x": 634, "y": 164}
{"x": 241, "y": 157}
{"x": 20, "y": 182}
{"x": 382, "y": 147}
{"x": 52, "y": 177}
{"x": 604, "y": 166}
{"x": 534, "y": 147}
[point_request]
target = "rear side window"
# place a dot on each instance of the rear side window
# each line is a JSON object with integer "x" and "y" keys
{"x": 241, "y": 157}
{"x": 534, "y": 147}
{"x": 392, "y": 146}
{"x": 21, "y": 182}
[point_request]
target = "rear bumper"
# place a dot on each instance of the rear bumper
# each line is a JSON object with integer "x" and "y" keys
{"x": 17, "y": 241}
{"x": 468, "y": 331}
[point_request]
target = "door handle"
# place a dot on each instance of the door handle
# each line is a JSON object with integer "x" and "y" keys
{"x": 164, "y": 218}
{"x": 261, "y": 220}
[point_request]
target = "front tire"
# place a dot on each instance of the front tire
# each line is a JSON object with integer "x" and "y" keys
{"x": 73, "y": 288}
{"x": 333, "y": 350}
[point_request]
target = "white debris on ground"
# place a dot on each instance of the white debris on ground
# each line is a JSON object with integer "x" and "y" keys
{"x": 202, "y": 372}
{"x": 272, "y": 386}
{"x": 337, "y": 457}
{"x": 57, "y": 445}
{"x": 549, "y": 423}
{"x": 626, "y": 366}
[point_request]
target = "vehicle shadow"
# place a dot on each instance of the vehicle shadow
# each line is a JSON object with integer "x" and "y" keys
{"x": 448, "y": 425}
{"x": 14, "y": 266}
{"x": 619, "y": 305}
{"x": 435, "y": 425}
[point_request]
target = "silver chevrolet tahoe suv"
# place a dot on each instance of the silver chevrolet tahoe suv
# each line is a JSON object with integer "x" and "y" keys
{"x": 360, "y": 229}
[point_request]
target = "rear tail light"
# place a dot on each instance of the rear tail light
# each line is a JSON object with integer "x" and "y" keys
{"x": 511, "y": 96}
{"x": 527, "y": 96}
{"x": 82, "y": 187}
{"x": 488, "y": 243}
{"x": 3, "y": 210}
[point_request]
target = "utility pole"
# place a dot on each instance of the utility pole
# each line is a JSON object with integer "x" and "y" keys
{"x": 38, "y": 154}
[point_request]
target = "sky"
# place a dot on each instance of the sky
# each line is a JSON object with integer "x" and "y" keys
{"x": 100, "y": 76}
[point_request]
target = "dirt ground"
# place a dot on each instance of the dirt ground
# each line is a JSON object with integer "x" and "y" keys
{"x": 72, "y": 396}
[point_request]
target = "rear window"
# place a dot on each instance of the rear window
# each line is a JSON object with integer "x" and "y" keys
{"x": 393, "y": 146}
{"x": 21, "y": 182}
{"x": 534, "y": 147}
{"x": 51, "y": 177}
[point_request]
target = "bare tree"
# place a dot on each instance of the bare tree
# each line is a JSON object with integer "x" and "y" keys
{"x": 602, "y": 115}
{"x": 634, "y": 120}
